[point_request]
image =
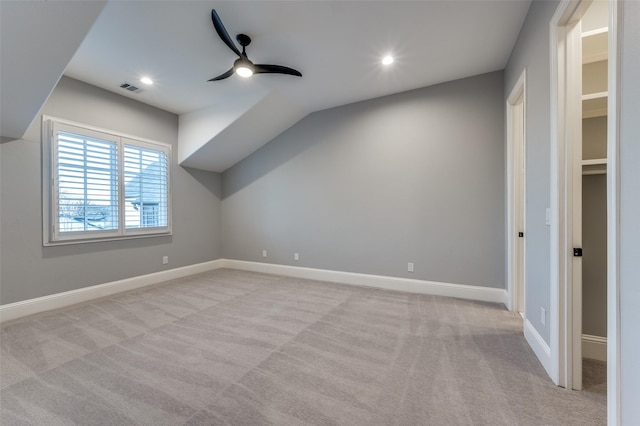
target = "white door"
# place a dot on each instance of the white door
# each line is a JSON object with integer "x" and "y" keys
{"x": 516, "y": 119}
{"x": 519, "y": 176}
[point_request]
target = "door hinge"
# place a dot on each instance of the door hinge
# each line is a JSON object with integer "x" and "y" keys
{"x": 520, "y": 234}
{"x": 577, "y": 252}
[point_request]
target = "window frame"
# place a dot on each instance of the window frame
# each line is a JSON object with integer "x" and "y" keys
{"x": 52, "y": 236}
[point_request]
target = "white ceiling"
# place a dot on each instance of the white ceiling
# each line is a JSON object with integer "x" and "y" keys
{"x": 337, "y": 45}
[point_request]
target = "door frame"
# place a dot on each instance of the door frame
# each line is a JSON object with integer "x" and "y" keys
{"x": 563, "y": 118}
{"x": 516, "y": 202}
{"x": 613, "y": 214}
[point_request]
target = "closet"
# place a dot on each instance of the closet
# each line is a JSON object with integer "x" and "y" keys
{"x": 594, "y": 181}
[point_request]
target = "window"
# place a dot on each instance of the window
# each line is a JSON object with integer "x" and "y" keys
{"x": 145, "y": 174}
{"x": 103, "y": 185}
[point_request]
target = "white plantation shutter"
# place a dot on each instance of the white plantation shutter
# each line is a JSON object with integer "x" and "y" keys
{"x": 87, "y": 184}
{"x": 146, "y": 182}
{"x": 103, "y": 185}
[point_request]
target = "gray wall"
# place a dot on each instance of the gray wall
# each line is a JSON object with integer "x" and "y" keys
{"x": 594, "y": 261}
{"x": 29, "y": 270}
{"x": 368, "y": 187}
{"x": 594, "y": 77}
{"x": 594, "y": 138}
{"x": 630, "y": 213}
{"x": 531, "y": 51}
{"x": 594, "y": 231}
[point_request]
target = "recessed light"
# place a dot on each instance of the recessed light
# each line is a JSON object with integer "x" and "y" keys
{"x": 387, "y": 60}
{"x": 146, "y": 80}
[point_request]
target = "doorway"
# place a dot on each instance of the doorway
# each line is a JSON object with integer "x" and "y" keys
{"x": 569, "y": 31}
{"x": 593, "y": 163}
{"x": 585, "y": 147}
{"x": 516, "y": 199}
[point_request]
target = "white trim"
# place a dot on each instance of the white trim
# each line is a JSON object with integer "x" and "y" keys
{"x": 566, "y": 94}
{"x": 594, "y": 347}
{"x": 513, "y": 154}
{"x": 539, "y": 346}
{"x": 60, "y": 300}
{"x": 613, "y": 216}
{"x": 486, "y": 294}
{"x": 52, "y": 235}
{"x": 554, "y": 199}
{"x": 557, "y": 262}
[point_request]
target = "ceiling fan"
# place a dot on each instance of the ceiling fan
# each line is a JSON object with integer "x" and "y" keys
{"x": 243, "y": 66}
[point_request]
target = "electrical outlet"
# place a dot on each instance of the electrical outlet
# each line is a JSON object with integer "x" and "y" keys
{"x": 264, "y": 253}
{"x": 543, "y": 316}
{"x": 296, "y": 256}
{"x": 410, "y": 267}
{"x": 165, "y": 260}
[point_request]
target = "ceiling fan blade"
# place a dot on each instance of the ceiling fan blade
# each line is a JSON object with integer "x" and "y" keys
{"x": 223, "y": 76}
{"x": 222, "y": 32}
{"x": 275, "y": 69}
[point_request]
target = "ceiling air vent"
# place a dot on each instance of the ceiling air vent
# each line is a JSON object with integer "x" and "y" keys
{"x": 130, "y": 87}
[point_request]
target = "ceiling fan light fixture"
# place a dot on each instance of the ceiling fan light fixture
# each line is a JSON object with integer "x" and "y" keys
{"x": 244, "y": 67}
{"x": 244, "y": 71}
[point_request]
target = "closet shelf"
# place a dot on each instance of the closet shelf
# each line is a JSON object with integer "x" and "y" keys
{"x": 598, "y": 95}
{"x": 594, "y": 105}
{"x": 594, "y": 161}
{"x": 596, "y": 166}
{"x": 594, "y": 45}
{"x": 597, "y": 31}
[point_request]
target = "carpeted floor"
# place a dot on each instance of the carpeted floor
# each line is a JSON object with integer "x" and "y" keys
{"x": 594, "y": 376}
{"x": 238, "y": 348}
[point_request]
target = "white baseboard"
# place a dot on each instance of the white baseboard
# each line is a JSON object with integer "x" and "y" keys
{"x": 60, "y": 300}
{"x": 485, "y": 294}
{"x": 539, "y": 346}
{"x": 506, "y": 300}
{"x": 594, "y": 347}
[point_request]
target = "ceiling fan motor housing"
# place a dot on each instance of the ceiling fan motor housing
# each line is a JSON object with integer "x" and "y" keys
{"x": 243, "y": 40}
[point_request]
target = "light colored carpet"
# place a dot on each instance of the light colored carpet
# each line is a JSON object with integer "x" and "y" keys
{"x": 238, "y": 348}
{"x": 594, "y": 376}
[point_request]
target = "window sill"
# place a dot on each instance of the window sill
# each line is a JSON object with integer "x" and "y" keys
{"x": 67, "y": 242}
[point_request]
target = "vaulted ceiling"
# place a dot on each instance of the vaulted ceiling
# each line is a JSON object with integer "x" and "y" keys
{"x": 337, "y": 45}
